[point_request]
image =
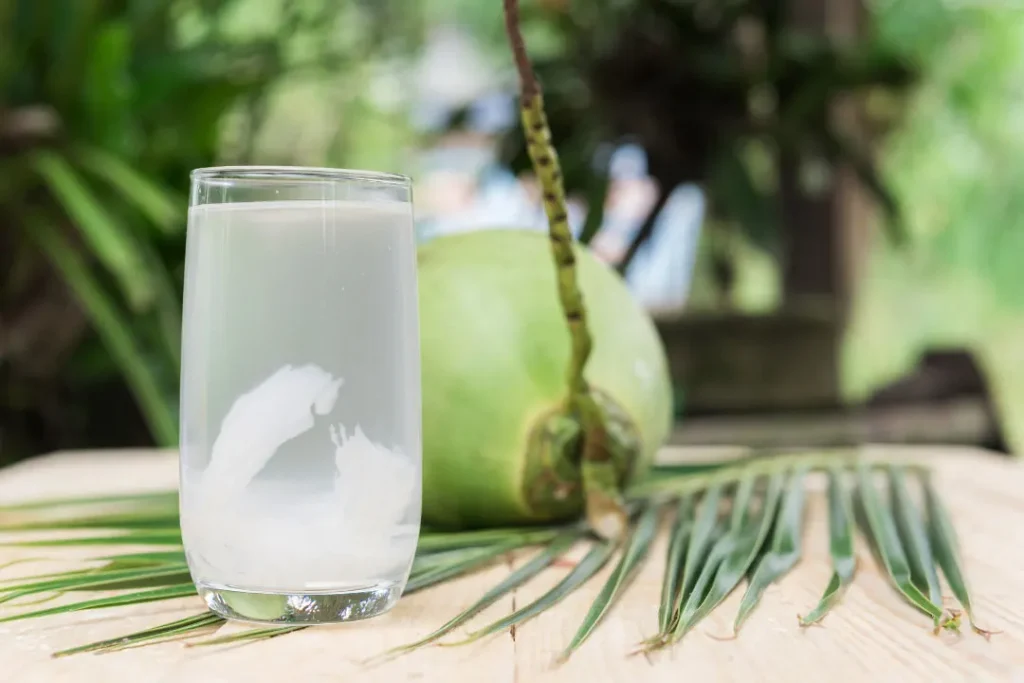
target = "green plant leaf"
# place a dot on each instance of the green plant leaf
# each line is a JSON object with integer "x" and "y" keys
{"x": 725, "y": 558}
{"x": 245, "y": 636}
{"x": 134, "y": 598}
{"x": 156, "y": 203}
{"x": 538, "y": 563}
{"x": 438, "y": 541}
{"x": 182, "y": 627}
{"x": 703, "y": 549}
{"x": 112, "y": 244}
{"x": 95, "y": 580}
{"x": 598, "y": 184}
{"x": 157, "y": 521}
{"x": 675, "y": 557}
{"x": 591, "y": 563}
{"x": 734, "y": 541}
{"x": 886, "y": 540}
{"x": 166, "y": 306}
{"x": 143, "y": 537}
{"x": 749, "y": 536}
{"x": 715, "y": 547}
{"x": 914, "y": 534}
{"x": 839, "y": 149}
{"x": 844, "y": 563}
{"x": 133, "y": 501}
{"x": 128, "y": 560}
{"x": 704, "y": 532}
{"x": 785, "y": 548}
{"x": 429, "y": 570}
{"x": 946, "y": 548}
{"x": 637, "y": 545}
{"x": 112, "y": 326}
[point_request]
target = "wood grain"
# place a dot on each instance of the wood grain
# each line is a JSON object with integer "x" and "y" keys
{"x": 872, "y": 635}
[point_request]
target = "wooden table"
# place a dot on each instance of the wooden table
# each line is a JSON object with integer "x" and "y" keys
{"x": 871, "y": 636}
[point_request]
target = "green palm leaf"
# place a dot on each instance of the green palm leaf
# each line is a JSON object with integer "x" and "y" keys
{"x": 136, "y": 598}
{"x": 943, "y": 538}
{"x": 914, "y": 535}
{"x": 748, "y": 545}
{"x": 182, "y": 627}
{"x": 709, "y": 553}
{"x": 157, "y": 204}
{"x": 701, "y": 540}
{"x": 132, "y": 537}
{"x": 886, "y": 540}
{"x": 430, "y": 569}
{"x": 95, "y": 580}
{"x": 135, "y": 502}
{"x": 844, "y": 564}
{"x": 252, "y": 634}
{"x": 539, "y": 562}
{"x": 112, "y": 244}
{"x": 599, "y": 554}
{"x": 637, "y": 545}
{"x": 785, "y": 548}
{"x": 672, "y": 580}
{"x": 111, "y": 325}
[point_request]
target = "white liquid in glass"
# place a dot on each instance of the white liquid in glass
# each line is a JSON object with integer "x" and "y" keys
{"x": 300, "y": 396}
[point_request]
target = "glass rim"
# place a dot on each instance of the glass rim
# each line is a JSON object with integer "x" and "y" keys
{"x": 296, "y": 173}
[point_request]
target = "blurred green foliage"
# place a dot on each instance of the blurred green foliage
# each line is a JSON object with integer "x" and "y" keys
{"x": 105, "y": 106}
{"x": 955, "y": 164}
{"x": 721, "y": 94}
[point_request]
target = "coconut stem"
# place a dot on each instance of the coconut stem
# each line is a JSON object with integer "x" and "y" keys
{"x": 603, "y": 500}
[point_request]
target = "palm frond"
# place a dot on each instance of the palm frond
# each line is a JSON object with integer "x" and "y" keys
{"x": 167, "y": 520}
{"x": 725, "y": 518}
{"x": 844, "y": 564}
{"x": 133, "y": 502}
{"x": 914, "y": 535}
{"x": 785, "y": 548}
{"x": 701, "y": 539}
{"x": 144, "y": 537}
{"x": 108, "y": 239}
{"x": 881, "y": 526}
{"x": 748, "y": 535}
{"x": 674, "y": 559}
{"x": 598, "y": 555}
{"x": 157, "y": 204}
{"x": 439, "y": 541}
{"x": 182, "y": 627}
{"x": 111, "y": 324}
{"x": 181, "y": 590}
{"x": 95, "y": 580}
{"x": 943, "y": 538}
{"x": 538, "y": 563}
{"x": 637, "y": 545}
{"x": 263, "y": 633}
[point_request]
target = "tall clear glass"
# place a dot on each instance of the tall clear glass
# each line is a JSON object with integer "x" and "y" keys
{"x": 300, "y": 393}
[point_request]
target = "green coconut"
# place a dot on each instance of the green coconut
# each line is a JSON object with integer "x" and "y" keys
{"x": 498, "y": 448}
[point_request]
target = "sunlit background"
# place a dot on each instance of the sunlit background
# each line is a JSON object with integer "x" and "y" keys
{"x": 819, "y": 201}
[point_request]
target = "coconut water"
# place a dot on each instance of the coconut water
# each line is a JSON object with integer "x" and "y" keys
{"x": 300, "y": 412}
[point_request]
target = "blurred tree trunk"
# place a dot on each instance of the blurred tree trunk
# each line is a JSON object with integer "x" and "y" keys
{"x": 824, "y": 209}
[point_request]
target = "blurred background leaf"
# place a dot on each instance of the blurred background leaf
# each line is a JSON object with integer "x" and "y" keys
{"x": 106, "y": 105}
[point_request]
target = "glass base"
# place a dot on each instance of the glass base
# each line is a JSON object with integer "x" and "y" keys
{"x": 300, "y": 608}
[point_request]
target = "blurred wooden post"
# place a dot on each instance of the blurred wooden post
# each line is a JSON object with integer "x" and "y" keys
{"x": 789, "y": 360}
{"x": 823, "y": 206}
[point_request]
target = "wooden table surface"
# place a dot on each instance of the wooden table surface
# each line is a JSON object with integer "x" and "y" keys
{"x": 871, "y": 636}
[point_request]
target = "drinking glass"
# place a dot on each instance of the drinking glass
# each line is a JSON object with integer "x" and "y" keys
{"x": 300, "y": 393}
